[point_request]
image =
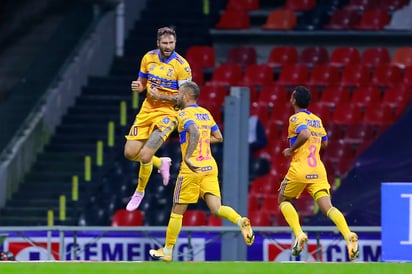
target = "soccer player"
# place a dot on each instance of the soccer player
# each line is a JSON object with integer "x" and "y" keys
{"x": 307, "y": 136}
{"x": 164, "y": 69}
{"x": 198, "y": 175}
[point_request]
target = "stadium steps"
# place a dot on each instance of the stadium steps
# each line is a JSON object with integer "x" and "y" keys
{"x": 84, "y": 124}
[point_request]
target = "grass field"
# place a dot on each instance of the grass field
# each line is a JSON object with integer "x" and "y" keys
{"x": 201, "y": 267}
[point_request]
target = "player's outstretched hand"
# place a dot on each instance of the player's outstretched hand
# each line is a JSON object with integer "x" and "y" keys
{"x": 137, "y": 86}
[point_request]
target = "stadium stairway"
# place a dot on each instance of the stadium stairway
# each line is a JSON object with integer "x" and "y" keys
{"x": 87, "y": 122}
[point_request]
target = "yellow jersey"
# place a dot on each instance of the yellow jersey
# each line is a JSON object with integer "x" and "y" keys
{"x": 306, "y": 165}
{"x": 164, "y": 75}
{"x": 202, "y": 156}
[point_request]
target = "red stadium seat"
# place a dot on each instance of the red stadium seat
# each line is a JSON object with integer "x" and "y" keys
{"x": 305, "y": 205}
{"x": 334, "y": 95}
{"x": 386, "y": 76}
{"x": 233, "y": 19}
{"x": 373, "y": 57}
{"x": 337, "y": 151}
{"x": 270, "y": 204}
{"x": 343, "y": 19}
{"x": 274, "y": 94}
{"x": 262, "y": 186}
{"x": 282, "y": 55}
{"x": 361, "y": 5}
{"x": 355, "y": 75}
{"x": 281, "y": 113}
{"x": 257, "y": 75}
{"x": 312, "y": 56}
{"x": 359, "y": 133}
{"x": 213, "y": 220}
{"x": 226, "y": 75}
{"x": 194, "y": 217}
{"x": 280, "y": 19}
{"x": 373, "y": 20}
{"x": 197, "y": 74}
{"x": 402, "y": 57}
{"x": 212, "y": 95}
{"x": 122, "y": 217}
{"x": 244, "y": 5}
{"x": 242, "y": 56}
{"x": 392, "y": 5}
{"x": 299, "y": 5}
{"x": 407, "y": 76}
{"x": 260, "y": 218}
{"x": 347, "y": 114}
{"x": 321, "y": 110}
{"x": 324, "y": 75}
{"x": 203, "y": 56}
{"x": 365, "y": 95}
{"x": 343, "y": 56}
{"x": 293, "y": 75}
{"x": 378, "y": 114}
{"x": 397, "y": 97}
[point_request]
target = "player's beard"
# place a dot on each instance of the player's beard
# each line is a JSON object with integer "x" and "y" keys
{"x": 165, "y": 54}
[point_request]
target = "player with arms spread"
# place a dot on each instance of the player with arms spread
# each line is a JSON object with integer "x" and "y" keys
{"x": 198, "y": 175}
{"x": 307, "y": 136}
{"x": 165, "y": 70}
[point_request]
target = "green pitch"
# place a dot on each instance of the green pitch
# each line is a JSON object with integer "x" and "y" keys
{"x": 201, "y": 267}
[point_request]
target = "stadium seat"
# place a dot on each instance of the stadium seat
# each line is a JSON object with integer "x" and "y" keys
{"x": 355, "y": 75}
{"x": 334, "y": 95}
{"x": 375, "y": 56}
{"x": 233, "y": 19}
{"x": 282, "y": 55}
{"x": 274, "y": 94}
{"x": 312, "y": 56}
{"x": 299, "y": 5}
{"x": 397, "y": 97}
{"x": 226, "y": 75}
{"x": 194, "y": 217}
{"x": 203, "y": 56}
{"x": 364, "y": 95}
{"x": 259, "y": 218}
{"x": 347, "y": 114}
{"x": 270, "y": 204}
{"x": 361, "y": 5}
{"x": 122, "y": 217}
{"x": 281, "y": 113}
{"x": 280, "y": 19}
{"x": 407, "y": 76}
{"x": 402, "y": 57}
{"x": 392, "y": 5}
{"x": 243, "y": 5}
{"x": 386, "y": 76}
{"x": 254, "y": 200}
{"x": 212, "y": 94}
{"x": 338, "y": 150}
{"x": 322, "y": 110}
{"x": 305, "y": 205}
{"x": 257, "y": 75}
{"x": 262, "y": 186}
{"x": 324, "y": 75}
{"x": 342, "y": 56}
{"x": 359, "y": 133}
{"x": 378, "y": 114}
{"x": 198, "y": 75}
{"x": 343, "y": 19}
{"x": 313, "y": 19}
{"x": 373, "y": 20}
{"x": 213, "y": 220}
{"x": 293, "y": 75}
{"x": 242, "y": 56}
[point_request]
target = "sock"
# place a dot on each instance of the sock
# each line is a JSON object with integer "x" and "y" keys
{"x": 144, "y": 173}
{"x": 173, "y": 230}
{"x": 337, "y": 217}
{"x": 156, "y": 161}
{"x": 291, "y": 217}
{"x": 229, "y": 214}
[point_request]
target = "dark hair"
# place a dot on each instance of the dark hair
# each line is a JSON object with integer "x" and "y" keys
{"x": 165, "y": 30}
{"x": 194, "y": 88}
{"x": 302, "y": 96}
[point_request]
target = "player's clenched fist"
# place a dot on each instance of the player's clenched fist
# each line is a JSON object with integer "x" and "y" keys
{"x": 137, "y": 86}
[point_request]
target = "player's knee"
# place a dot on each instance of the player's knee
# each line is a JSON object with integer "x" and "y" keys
{"x": 145, "y": 156}
{"x": 130, "y": 153}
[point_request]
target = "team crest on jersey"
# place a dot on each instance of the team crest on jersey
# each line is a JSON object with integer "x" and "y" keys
{"x": 187, "y": 69}
{"x": 182, "y": 113}
{"x": 294, "y": 118}
{"x": 152, "y": 66}
{"x": 166, "y": 120}
{"x": 169, "y": 72}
